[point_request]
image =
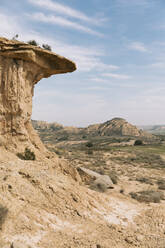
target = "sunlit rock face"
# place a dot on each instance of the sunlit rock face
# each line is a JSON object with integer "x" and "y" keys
{"x": 21, "y": 67}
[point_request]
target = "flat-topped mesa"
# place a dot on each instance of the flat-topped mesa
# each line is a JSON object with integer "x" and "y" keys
{"x": 21, "y": 67}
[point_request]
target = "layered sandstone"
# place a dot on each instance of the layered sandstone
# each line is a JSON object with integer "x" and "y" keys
{"x": 116, "y": 126}
{"x": 21, "y": 67}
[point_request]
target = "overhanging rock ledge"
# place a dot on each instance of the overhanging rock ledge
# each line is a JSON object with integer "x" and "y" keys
{"x": 21, "y": 67}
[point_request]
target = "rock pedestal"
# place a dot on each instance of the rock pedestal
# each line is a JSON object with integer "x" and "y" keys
{"x": 21, "y": 67}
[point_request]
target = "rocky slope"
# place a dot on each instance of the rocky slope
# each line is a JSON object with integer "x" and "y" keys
{"x": 47, "y": 208}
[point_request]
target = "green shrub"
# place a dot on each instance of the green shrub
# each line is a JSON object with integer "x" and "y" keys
{"x": 89, "y": 144}
{"x": 46, "y": 47}
{"x": 27, "y": 155}
{"x": 32, "y": 42}
{"x": 138, "y": 143}
{"x": 3, "y": 214}
{"x": 15, "y": 37}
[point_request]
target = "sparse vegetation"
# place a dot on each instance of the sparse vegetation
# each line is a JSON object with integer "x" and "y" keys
{"x": 46, "y": 47}
{"x": 138, "y": 143}
{"x": 144, "y": 180}
{"x": 32, "y": 42}
{"x": 112, "y": 156}
{"x": 161, "y": 184}
{"x": 146, "y": 159}
{"x": 3, "y": 215}
{"x": 148, "y": 196}
{"x": 15, "y": 37}
{"x": 27, "y": 155}
{"x": 89, "y": 144}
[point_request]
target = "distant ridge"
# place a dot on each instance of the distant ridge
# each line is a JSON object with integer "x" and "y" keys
{"x": 115, "y": 127}
{"x": 155, "y": 129}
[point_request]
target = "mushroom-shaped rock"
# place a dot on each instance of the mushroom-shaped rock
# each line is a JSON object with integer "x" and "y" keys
{"x": 21, "y": 67}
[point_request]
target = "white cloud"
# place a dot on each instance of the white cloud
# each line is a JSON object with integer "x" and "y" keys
{"x": 143, "y": 3}
{"x": 138, "y": 46}
{"x": 96, "y": 88}
{"x": 112, "y": 83}
{"x": 8, "y": 26}
{"x": 40, "y": 17}
{"x": 64, "y": 10}
{"x": 99, "y": 80}
{"x": 158, "y": 65}
{"x": 116, "y": 76}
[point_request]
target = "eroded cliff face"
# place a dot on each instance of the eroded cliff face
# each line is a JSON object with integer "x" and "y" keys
{"x": 21, "y": 67}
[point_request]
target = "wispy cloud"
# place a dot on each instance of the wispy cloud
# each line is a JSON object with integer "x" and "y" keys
{"x": 99, "y": 80}
{"x": 58, "y": 20}
{"x": 139, "y": 3}
{"x": 159, "y": 65}
{"x": 113, "y": 83}
{"x": 8, "y": 25}
{"x": 116, "y": 76}
{"x": 97, "y": 88}
{"x": 138, "y": 46}
{"x": 64, "y": 10}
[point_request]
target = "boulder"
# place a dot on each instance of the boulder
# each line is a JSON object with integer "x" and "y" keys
{"x": 96, "y": 180}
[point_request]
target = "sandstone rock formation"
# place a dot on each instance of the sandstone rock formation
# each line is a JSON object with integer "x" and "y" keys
{"x": 116, "y": 126}
{"x": 21, "y": 67}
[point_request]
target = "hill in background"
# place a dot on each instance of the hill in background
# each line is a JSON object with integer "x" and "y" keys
{"x": 154, "y": 129}
{"x": 116, "y": 127}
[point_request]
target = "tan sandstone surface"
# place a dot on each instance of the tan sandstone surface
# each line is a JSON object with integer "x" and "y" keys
{"x": 45, "y": 203}
{"x": 21, "y": 67}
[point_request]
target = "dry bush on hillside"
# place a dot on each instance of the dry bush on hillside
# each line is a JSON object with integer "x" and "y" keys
{"x": 3, "y": 214}
{"x": 161, "y": 183}
{"x": 144, "y": 180}
{"x": 27, "y": 155}
{"x": 148, "y": 196}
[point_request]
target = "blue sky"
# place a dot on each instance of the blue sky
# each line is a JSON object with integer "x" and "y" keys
{"x": 118, "y": 47}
